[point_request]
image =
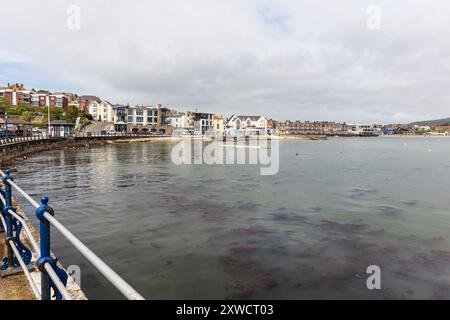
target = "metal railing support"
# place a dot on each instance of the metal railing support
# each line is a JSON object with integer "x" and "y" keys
{"x": 8, "y": 220}
{"x": 44, "y": 230}
{"x": 51, "y": 275}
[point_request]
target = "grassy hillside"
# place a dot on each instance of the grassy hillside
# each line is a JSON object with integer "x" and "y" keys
{"x": 432, "y": 123}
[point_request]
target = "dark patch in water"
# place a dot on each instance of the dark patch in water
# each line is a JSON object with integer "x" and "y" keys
{"x": 236, "y": 265}
{"x": 247, "y": 206}
{"x": 288, "y": 217}
{"x": 426, "y": 241}
{"x": 361, "y": 194}
{"x": 389, "y": 210}
{"x": 341, "y": 227}
{"x": 433, "y": 259}
{"x": 412, "y": 203}
{"x": 267, "y": 282}
{"x": 251, "y": 231}
{"x": 243, "y": 290}
{"x": 316, "y": 209}
{"x": 377, "y": 232}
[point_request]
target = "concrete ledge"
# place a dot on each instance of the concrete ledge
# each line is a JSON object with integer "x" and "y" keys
{"x": 12, "y": 151}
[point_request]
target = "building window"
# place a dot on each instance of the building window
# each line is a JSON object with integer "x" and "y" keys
{"x": 130, "y": 112}
{"x": 139, "y": 112}
{"x": 140, "y": 119}
{"x": 130, "y": 119}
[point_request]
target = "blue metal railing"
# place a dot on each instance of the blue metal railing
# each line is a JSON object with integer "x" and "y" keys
{"x": 52, "y": 276}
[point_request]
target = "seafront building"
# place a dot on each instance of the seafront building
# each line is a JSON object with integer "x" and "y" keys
{"x": 101, "y": 111}
{"x": 313, "y": 127}
{"x": 203, "y": 122}
{"x": 218, "y": 125}
{"x": 141, "y": 119}
{"x": 238, "y": 125}
{"x": 180, "y": 120}
{"x": 363, "y": 129}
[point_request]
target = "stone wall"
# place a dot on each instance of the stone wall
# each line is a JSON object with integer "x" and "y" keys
{"x": 9, "y": 152}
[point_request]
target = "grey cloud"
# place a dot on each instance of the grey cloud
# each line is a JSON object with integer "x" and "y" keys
{"x": 284, "y": 59}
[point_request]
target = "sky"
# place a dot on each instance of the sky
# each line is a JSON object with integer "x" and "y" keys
{"x": 336, "y": 60}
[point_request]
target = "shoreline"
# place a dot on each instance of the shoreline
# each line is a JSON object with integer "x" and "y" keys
{"x": 409, "y": 136}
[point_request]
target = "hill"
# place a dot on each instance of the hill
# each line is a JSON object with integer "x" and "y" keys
{"x": 431, "y": 123}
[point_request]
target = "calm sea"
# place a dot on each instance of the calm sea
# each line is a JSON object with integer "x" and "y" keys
{"x": 226, "y": 232}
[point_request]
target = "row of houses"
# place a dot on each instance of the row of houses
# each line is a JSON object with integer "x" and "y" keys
{"x": 140, "y": 118}
{"x": 327, "y": 128}
{"x": 16, "y": 95}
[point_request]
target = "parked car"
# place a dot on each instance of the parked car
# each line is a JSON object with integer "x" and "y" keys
{"x": 38, "y": 130}
{"x": 144, "y": 132}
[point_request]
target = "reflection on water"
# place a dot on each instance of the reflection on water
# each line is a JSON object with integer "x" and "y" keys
{"x": 226, "y": 232}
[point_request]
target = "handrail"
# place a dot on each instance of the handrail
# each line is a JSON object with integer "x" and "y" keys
{"x": 25, "y": 270}
{"x": 61, "y": 287}
{"x": 44, "y": 213}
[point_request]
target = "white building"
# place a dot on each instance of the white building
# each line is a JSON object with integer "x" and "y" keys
{"x": 101, "y": 111}
{"x": 246, "y": 125}
{"x": 183, "y": 120}
{"x": 146, "y": 118}
{"x": 363, "y": 129}
{"x": 203, "y": 122}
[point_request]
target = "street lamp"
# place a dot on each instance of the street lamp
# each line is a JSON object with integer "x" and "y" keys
{"x": 6, "y": 124}
{"x": 49, "y": 120}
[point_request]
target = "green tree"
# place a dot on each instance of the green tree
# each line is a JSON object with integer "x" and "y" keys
{"x": 71, "y": 114}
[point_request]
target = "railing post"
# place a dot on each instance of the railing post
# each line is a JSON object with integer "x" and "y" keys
{"x": 45, "y": 257}
{"x": 8, "y": 218}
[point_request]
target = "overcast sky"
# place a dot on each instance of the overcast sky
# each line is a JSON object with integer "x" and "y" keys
{"x": 307, "y": 60}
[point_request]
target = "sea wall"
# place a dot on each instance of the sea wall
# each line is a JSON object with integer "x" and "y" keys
{"x": 12, "y": 151}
